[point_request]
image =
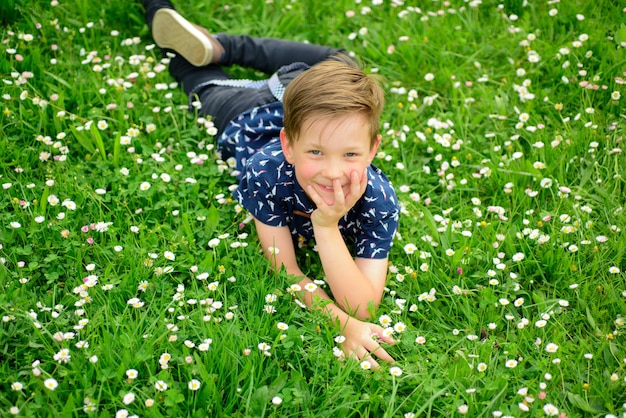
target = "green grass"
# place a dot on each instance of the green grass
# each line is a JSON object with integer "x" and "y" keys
{"x": 528, "y": 193}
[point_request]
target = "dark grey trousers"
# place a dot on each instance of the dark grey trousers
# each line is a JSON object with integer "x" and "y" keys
{"x": 267, "y": 55}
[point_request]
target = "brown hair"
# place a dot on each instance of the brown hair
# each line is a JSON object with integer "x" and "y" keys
{"x": 334, "y": 87}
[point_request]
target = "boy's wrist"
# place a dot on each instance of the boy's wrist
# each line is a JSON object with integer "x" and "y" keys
{"x": 325, "y": 225}
{"x": 323, "y": 232}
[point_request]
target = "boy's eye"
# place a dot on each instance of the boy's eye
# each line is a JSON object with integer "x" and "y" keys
{"x": 351, "y": 154}
{"x": 315, "y": 152}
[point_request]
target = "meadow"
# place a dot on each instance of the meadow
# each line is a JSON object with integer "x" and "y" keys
{"x": 132, "y": 284}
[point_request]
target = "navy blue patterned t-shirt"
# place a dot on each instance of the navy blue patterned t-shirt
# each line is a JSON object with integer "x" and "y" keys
{"x": 249, "y": 132}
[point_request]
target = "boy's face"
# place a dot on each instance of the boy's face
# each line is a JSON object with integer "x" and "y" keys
{"x": 330, "y": 148}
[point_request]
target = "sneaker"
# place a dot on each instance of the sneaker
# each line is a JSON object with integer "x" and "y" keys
{"x": 171, "y": 30}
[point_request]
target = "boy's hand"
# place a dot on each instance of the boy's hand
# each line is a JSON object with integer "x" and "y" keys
{"x": 360, "y": 342}
{"x": 328, "y": 215}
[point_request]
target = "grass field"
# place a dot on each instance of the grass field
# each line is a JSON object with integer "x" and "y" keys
{"x": 131, "y": 286}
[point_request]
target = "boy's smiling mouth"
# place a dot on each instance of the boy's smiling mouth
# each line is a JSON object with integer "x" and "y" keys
{"x": 328, "y": 189}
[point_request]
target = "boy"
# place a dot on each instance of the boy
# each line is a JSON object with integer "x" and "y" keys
{"x": 303, "y": 156}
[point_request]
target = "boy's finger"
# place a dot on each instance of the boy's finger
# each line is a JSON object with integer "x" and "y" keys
{"x": 339, "y": 197}
{"x": 314, "y": 195}
{"x": 381, "y": 336}
{"x": 374, "y": 363}
{"x": 365, "y": 355}
{"x": 364, "y": 180}
{"x": 355, "y": 184}
{"x": 382, "y": 354}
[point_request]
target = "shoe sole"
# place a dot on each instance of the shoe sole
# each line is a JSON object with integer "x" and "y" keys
{"x": 171, "y": 30}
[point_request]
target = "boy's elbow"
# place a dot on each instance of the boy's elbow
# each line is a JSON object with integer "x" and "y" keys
{"x": 367, "y": 308}
{"x": 363, "y": 314}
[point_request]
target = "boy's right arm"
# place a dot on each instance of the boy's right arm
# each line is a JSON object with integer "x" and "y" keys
{"x": 277, "y": 246}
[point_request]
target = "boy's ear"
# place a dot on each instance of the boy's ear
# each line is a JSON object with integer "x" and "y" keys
{"x": 374, "y": 148}
{"x": 286, "y": 146}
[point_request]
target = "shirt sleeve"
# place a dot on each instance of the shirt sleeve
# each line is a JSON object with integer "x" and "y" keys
{"x": 257, "y": 190}
{"x": 378, "y": 220}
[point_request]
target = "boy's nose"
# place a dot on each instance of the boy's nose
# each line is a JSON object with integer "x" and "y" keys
{"x": 333, "y": 171}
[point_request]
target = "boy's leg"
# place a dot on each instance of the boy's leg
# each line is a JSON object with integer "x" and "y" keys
{"x": 171, "y": 30}
{"x": 221, "y": 102}
{"x": 152, "y": 6}
{"x": 264, "y": 54}
{"x": 226, "y": 103}
{"x": 269, "y": 54}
